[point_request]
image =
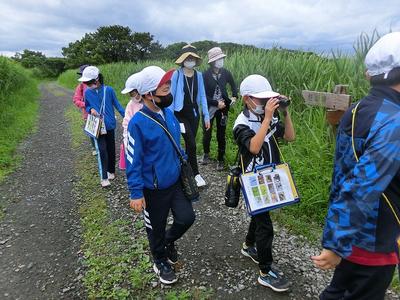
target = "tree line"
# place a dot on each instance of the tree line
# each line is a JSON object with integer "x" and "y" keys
{"x": 109, "y": 44}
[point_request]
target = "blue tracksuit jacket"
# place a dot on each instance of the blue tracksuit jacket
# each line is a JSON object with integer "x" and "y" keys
{"x": 152, "y": 161}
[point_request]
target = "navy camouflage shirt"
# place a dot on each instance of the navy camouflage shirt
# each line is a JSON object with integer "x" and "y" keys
{"x": 357, "y": 214}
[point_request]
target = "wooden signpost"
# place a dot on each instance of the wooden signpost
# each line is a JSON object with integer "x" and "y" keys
{"x": 336, "y": 103}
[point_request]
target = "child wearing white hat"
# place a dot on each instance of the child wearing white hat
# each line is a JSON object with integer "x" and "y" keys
{"x": 100, "y": 100}
{"x": 363, "y": 219}
{"x": 153, "y": 171}
{"x": 134, "y": 105}
{"x": 256, "y": 131}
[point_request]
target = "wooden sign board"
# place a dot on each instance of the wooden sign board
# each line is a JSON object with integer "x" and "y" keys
{"x": 328, "y": 100}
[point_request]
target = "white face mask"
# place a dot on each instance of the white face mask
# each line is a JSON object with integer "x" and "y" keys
{"x": 259, "y": 109}
{"x": 219, "y": 63}
{"x": 189, "y": 64}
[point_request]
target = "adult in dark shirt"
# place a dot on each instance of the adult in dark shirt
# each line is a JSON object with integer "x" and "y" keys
{"x": 216, "y": 79}
{"x": 187, "y": 89}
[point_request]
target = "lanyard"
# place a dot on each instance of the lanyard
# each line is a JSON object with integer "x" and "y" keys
{"x": 103, "y": 102}
{"x": 190, "y": 88}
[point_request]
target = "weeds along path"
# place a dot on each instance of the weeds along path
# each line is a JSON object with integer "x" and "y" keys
{"x": 39, "y": 232}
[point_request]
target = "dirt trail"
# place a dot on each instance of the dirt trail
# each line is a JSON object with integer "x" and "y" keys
{"x": 39, "y": 235}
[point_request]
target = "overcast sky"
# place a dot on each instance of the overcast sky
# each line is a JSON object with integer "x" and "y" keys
{"x": 49, "y": 25}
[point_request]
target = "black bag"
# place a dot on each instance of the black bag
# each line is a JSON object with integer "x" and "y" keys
{"x": 232, "y": 189}
{"x": 189, "y": 186}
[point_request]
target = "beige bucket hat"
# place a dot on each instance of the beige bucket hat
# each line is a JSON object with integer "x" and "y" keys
{"x": 188, "y": 50}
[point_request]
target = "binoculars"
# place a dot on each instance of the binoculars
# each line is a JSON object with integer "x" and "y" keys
{"x": 284, "y": 102}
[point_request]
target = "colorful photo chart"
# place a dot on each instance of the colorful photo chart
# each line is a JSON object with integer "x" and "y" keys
{"x": 281, "y": 187}
{"x": 269, "y": 187}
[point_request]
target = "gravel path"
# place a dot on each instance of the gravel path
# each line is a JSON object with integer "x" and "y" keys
{"x": 39, "y": 235}
{"x": 210, "y": 250}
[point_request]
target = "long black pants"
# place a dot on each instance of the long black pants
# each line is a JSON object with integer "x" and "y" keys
{"x": 191, "y": 124}
{"x": 261, "y": 232}
{"x": 158, "y": 205}
{"x": 106, "y": 145}
{"x": 357, "y": 282}
{"x": 220, "y": 136}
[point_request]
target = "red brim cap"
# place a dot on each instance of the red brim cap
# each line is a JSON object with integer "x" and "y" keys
{"x": 167, "y": 77}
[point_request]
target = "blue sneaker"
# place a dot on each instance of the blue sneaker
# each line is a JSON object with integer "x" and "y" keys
{"x": 250, "y": 251}
{"x": 165, "y": 272}
{"x": 273, "y": 280}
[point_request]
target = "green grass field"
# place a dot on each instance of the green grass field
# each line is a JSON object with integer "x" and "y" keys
{"x": 18, "y": 111}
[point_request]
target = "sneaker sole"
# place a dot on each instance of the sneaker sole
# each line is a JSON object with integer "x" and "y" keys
{"x": 271, "y": 287}
{"x": 155, "y": 269}
{"x": 171, "y": 262}
{"x": 247, "y": 255}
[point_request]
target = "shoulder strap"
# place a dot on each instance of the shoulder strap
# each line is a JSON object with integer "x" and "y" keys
{"x": 103, "y": 102}
{"x": 353, "y": 121}
{"x": 279, "y": 149}
{"x": 167, "y": 132}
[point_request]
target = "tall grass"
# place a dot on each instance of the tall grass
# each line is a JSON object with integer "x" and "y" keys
{"x": 18, "y": 110}
{"x": 311, "y": 155}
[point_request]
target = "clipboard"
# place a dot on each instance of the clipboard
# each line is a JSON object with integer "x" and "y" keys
{"x": 269, "y": 187}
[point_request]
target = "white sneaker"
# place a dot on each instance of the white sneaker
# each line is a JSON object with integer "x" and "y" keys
{"x": 94, "y": 152}
{"x": 111, "y": 176}
{"x": 105, "y": 182}
{"x": 199, "y": 180}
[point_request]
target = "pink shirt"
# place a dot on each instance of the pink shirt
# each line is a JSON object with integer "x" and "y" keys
{"x": 131, "y": 108}
{"x": 79, "y": 99}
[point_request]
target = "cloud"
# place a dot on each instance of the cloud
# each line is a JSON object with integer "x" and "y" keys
{"x": 49, "y": 25}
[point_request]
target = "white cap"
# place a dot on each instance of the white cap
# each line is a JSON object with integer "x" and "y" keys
{"x": 384, "y": 55}
{"x": 257, "y": 86}
{"x": 132, "y": 83}
{"x": 150, "y": 77}
{"x": 89, "y": 73}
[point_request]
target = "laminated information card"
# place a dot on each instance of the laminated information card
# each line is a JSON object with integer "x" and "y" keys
{"x": 269, "y": 187}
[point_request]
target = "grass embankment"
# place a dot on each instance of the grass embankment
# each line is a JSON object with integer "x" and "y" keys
{"x": 18, "y": 111}
{"x": 117, "y": 264}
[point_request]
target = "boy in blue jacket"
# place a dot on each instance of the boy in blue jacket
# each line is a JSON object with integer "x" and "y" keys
{"x": 362, "y": 224}
{"x": 153, "y": 171}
